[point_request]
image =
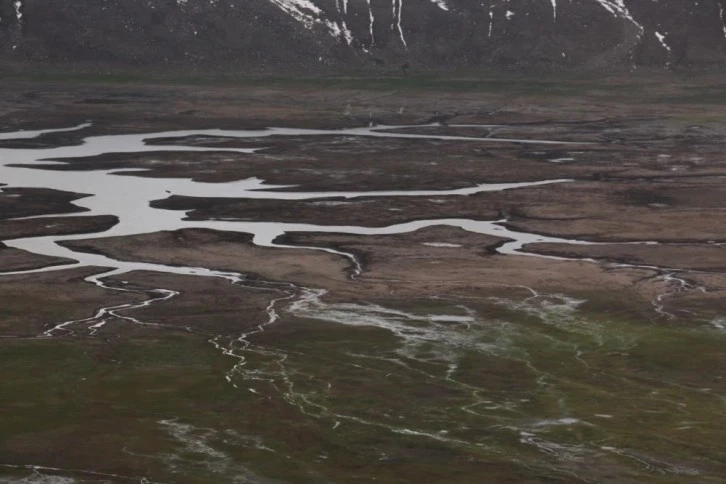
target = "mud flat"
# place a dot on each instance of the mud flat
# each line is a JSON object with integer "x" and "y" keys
{"x": 291, "y": 284}
{"x": 19, "y": 260}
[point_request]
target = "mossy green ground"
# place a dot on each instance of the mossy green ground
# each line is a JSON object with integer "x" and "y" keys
{"x": 540, "y": 392}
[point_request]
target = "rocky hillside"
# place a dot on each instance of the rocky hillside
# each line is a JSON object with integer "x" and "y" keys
{"x": 286, "y": 36}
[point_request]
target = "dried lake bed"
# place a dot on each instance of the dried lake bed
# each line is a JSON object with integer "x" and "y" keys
{"x": 301, "y": 284}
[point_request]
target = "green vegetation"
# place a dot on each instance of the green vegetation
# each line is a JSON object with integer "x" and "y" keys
{"x": 532, "y": 391}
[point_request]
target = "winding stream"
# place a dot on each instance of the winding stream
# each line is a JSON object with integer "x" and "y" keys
{"x": 112, "y": 195}
{"x": 129, "y": 199}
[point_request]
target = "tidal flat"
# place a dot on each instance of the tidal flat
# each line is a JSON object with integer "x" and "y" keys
{"x": 328, "y": 283}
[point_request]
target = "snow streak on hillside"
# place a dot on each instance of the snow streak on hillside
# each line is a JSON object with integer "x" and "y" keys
{"x": 437, "y": 35}
{"x": 312, "y": 14}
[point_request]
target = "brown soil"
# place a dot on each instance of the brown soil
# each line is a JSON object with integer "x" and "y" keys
{"x": 644, "y": 346}
{"x": 19, "y": 260}
{"x": 28, "y": 202}
{"x": 33, "y": 303}
{"x": 18, "y": 229}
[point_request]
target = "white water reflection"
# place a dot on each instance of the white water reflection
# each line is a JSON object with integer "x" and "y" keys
{"x": 438, "y": 339}
{"x": 30, "y": 134}
{"x": 129, "y": 197}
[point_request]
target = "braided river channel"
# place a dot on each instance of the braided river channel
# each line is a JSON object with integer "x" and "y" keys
{"x": 197, "y": 370}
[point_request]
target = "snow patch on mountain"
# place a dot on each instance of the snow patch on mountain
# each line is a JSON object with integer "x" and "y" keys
{"x": 390, "y": 34}
{"x": 18, "y": 5}
{"x": 310, "y": 15}
{"x": 442, "y": 4}
{"x": 619, "y": 9}
{"x": 662, "y": 39}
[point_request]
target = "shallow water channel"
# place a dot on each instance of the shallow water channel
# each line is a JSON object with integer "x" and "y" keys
{"x": 527, "y": 387}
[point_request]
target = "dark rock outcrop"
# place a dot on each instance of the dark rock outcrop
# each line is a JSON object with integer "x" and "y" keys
{"x": 318, "y": 36}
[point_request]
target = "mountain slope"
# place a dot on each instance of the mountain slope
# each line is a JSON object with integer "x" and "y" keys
{"x": 368, "y": 35}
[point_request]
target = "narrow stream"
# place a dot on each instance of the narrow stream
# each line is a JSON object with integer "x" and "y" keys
{"x": 129, "y": 198}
